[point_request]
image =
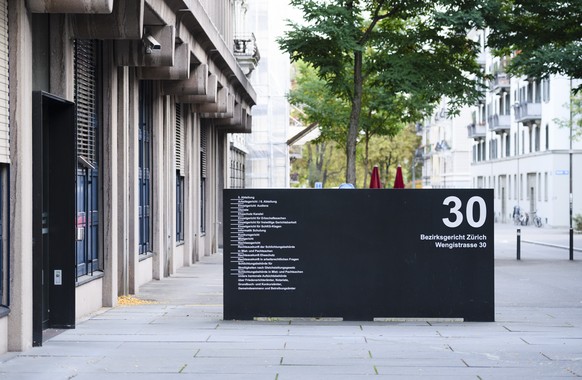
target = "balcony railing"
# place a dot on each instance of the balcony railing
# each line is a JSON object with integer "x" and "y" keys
{"x": 246, "y": 52}
{"x": 476, "y": 131}
{"x": 500, "y": 82}
{"x": 499, "y": 123}
{"x": 527, "y": 112}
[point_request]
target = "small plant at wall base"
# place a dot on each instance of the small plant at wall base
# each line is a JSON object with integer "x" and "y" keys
{"x": 578, "y": 222}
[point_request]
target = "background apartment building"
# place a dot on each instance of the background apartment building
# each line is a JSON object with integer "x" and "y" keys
{"x": 516, "y": 145}
{"x": 115, "y": 123}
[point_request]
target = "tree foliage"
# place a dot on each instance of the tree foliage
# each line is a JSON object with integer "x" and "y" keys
{"x": 322, "y": 161}
{"x": 382, "y": 112}
{"x": 544, "y": 37}
{"x": 390, "y": 151}
{"x": 417, "y": 51}
{"x": 575, "y": 108}
{"x": 319, "y": 104}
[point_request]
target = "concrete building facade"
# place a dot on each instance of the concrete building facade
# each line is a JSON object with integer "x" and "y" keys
{"x": 115, "y": 144}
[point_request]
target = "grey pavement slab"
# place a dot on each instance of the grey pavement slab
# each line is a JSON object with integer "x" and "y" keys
{"x": 537, "y": 333}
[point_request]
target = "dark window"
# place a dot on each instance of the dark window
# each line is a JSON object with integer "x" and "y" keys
{"x": 546, "y": 90}
{"x": 203, "y": 172}
{"x": 237, "y": 168}
{"x": 145, "y": 167}
{"x": 87, "y": 83}
{"x": 179, "y": 207}
{"x": 547, "y": 137}
{"x": 507, "y": 146}
{"x": 179, "y": 176}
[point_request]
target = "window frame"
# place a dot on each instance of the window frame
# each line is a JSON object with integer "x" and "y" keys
{"x": 89, "y": 260}
{"x": 145, "y": 148}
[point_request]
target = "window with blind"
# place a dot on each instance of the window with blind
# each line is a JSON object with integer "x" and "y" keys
{"x": 145, "y": 166}
{"x": 86, "y": 91}
{"x": 203, "y": 172}
{"x": 179, "y": 176}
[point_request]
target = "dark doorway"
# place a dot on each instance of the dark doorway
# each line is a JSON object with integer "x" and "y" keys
{"x": 54, "y": 216}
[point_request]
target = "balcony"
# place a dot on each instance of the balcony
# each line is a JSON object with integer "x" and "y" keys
{"x": 528, "y": 113}
{"x": 246, "y": 52}
{"x": 499, "y": 123}
{"x": 500, "y": 83}
{"x": 476, "y": 131}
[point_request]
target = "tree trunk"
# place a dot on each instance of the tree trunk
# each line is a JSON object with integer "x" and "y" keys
{"x": 354, "y": 120}
{"x": 366, "y": 160}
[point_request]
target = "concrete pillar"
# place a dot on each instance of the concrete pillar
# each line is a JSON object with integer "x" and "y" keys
{"x": 132, "y": 190}
{"x": 124, "y": 22}
{"x": 61, "y": 58}
{"x": 157, "y": 182}
{"x": 196, "y": 84}
{"x": 109, "y": 179}
{"x": 208, "y": 97}
{"x": 143, "y": 52}
{"x": 20, "y": 317}
{"x": 123, "y": 182}
{"x": 180, "y": 69}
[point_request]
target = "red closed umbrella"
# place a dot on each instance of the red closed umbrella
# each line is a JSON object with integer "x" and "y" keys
{"x": 375, "y": 180}
{"x": 399, "y": 181}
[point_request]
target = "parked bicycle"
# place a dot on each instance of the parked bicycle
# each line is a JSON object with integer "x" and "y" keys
{"x": 536, "y": 220}
{"x": 522, "y": 218}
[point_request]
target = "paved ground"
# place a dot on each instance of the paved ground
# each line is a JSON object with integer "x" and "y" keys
{"x": 537, "y": 333}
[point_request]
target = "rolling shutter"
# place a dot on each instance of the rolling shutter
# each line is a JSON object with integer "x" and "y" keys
{"x": 179, "y": 139}
{"x": 86, "y": 100}
{"x": 203, "y": 150}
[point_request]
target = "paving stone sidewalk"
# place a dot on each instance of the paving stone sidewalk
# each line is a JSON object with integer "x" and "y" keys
{"x": 537, "y": 333}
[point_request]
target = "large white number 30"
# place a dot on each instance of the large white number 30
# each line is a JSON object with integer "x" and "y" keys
{"x": 455, "y": 210}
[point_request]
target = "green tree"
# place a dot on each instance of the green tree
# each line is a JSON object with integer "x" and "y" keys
{"x": 381, "y": 111}
{"x": 417, "y": 50}
{"x": 318, "y": 104}
{"x": 575, "y": 107}
{"x": 320, "y": 162}
{"x": 544, "y": 37}
{"x": 390, "y": 151}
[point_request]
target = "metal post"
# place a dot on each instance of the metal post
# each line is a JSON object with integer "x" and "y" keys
{"x": 571, "y": 197}
{"x": 519, "y": 244}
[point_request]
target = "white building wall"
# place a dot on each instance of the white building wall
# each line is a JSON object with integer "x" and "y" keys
{"x": 447, "y": 150}
{"x": 543, "y": 172}
{"x": 268, "y": 158}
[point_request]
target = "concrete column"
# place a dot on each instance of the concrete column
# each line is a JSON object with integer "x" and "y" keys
{"x": 123, "y": 180}
{"x": 61, "y": 59}
{"x": 133, "y": 187}
{"x": 169, "y": 182}
{"x": 20, "y": 318}
{"x": 157, "y": 182}
{"x": 109, "y": 179}
{"x": 194, "y": 188}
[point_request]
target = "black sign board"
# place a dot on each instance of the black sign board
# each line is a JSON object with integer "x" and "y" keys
{"x": 359, "y": 254}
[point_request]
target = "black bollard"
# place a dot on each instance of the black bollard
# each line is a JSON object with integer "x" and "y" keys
{"x": 519, "y": 244}
{"x": 571, "y": 244}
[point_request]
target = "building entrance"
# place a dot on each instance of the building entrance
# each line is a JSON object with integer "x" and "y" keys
{"x": 54, "y": 170}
